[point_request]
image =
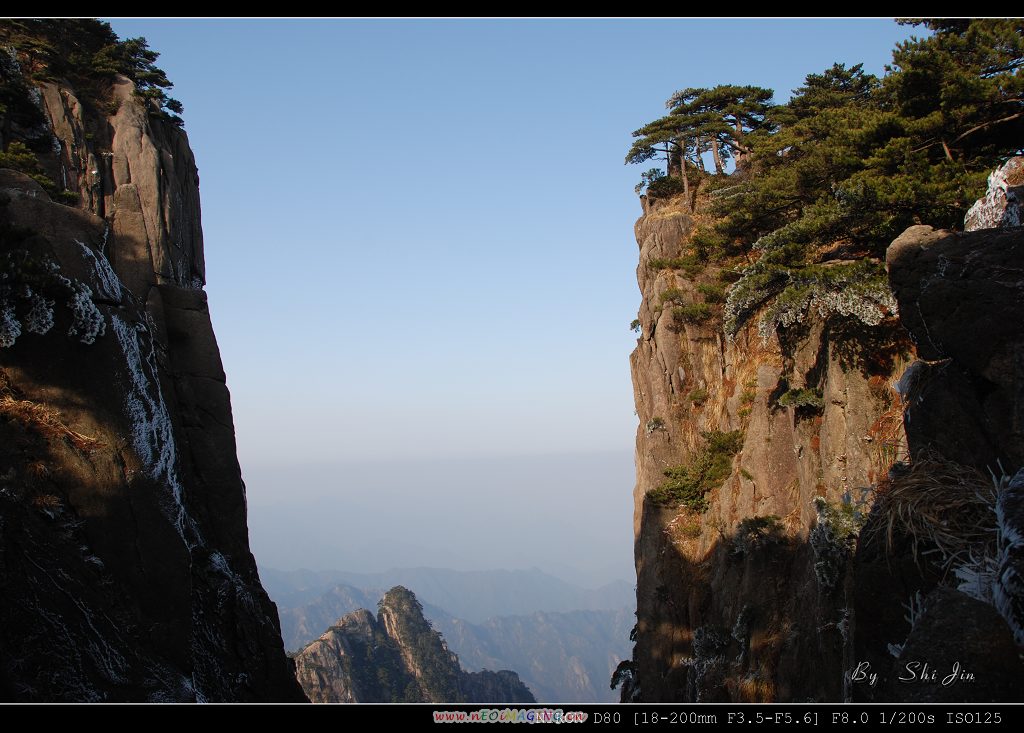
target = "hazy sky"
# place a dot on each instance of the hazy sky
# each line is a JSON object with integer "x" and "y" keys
{"x": 420, "y": 255}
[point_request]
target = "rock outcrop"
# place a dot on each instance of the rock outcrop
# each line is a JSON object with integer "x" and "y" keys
{"x": 125, "y": 568}
{"x": 968, "y": 648}
{"x": 961, "y": 295}
{"x": 396, "y": 657}
{"x": 1003, "y": 203}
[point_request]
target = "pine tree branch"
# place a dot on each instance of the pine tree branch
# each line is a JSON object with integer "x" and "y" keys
{"x": 984, "y": 125}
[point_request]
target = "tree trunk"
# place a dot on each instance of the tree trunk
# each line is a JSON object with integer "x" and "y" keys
{"x": 740, "y": 153}
{"x": 671, "y": 163}
{"x": 682, "y": 172}
{"x": 949, "y": 155}
{"x": 719, "y": 168}
{"x": 700, "y": 155}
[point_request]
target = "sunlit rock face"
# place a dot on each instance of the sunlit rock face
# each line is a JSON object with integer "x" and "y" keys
{"x": 1003, "y": 203}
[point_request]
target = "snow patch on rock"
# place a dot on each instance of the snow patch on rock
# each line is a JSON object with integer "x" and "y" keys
{"x": 152, "y": 430}
{"x": 1008, "y": 588}
{"x": 105, "y": 282}
{"x": 1003, "y": 203}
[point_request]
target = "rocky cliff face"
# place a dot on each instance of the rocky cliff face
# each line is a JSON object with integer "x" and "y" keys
{"x": 735, "y": 602}
{"x": 812, "y": 554}
{"x": 396, "y": 657}
{"x": 125, "y": 567}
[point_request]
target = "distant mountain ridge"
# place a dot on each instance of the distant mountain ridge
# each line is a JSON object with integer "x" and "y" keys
{"x": 396, "y": 657}
{"x": 474, "y": 595}
{"x": 563, "y": 656}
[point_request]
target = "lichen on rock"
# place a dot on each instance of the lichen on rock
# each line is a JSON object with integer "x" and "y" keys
{"x": 1003, "y": 203}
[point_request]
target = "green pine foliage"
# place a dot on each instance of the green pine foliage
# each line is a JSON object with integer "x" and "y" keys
{"x": 689, "y": 264}
{"x": 754, "y": 533}
{"x": 647, "y": 178}
{"x": 20, "y": 158}
{"x": 692, "y": 313}
{"x": 687, "y": 485}
{"x": 798, "y": 398}
{"x": 88, "y": 54}
{"x": 724, "y": 119}
{"x": 698, "y": 396}
{"x": 665, "y": 187}
{"x": 823, "y": 183}
{"x": 712, "y": 292}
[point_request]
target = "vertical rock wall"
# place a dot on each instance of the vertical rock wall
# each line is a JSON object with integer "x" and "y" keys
{"x": 738, "y": 603}
{"x": 124, "y": 561}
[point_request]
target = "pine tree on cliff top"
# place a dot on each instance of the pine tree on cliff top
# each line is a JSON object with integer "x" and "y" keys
{"x": 718, "y": 120}
{"x": 89, "y": 54}
{"x": 832, "y": 177}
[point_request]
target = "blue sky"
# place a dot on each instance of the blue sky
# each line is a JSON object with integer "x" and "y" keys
{"x": 420, "y": 251}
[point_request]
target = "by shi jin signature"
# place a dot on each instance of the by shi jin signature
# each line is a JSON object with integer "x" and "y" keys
{"x": 915, "y": 672}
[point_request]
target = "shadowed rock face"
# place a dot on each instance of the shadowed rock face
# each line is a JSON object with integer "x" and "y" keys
{"x": 966, "y": 645}
{"x": 125, "y": 567}
{"x": 961, "y": 296}
{"x": 396, "y": 657}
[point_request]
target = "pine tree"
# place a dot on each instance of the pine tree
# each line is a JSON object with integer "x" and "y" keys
{"x": 833, "y": 176}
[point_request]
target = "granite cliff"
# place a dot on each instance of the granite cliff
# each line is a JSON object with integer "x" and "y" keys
{"x": 125, "y": 567}
{"x": 847, "y": 513}
{"x": 396, "y": 657}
